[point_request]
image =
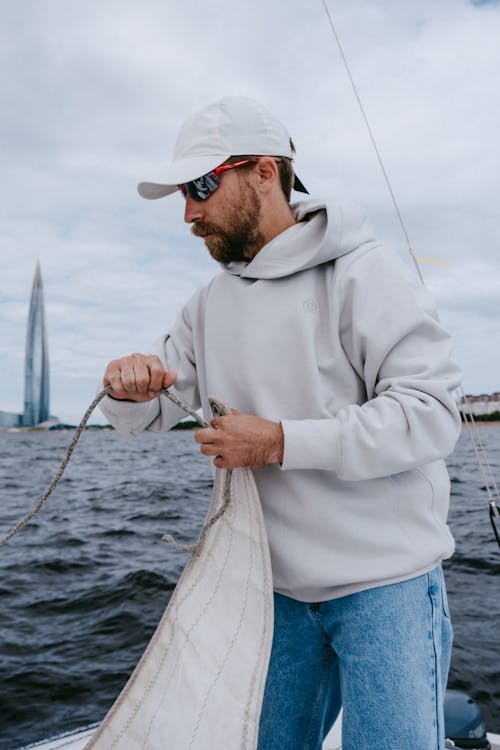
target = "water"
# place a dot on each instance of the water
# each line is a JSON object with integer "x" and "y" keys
{"x": 83, "y": 586}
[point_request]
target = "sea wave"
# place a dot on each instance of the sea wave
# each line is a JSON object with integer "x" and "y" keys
{"x": 84, "y": 585}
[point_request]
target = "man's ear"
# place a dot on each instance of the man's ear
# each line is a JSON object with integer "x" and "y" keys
{"x": 267, "y": 171}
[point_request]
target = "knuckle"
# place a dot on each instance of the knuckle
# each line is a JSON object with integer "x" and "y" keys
{"x": 154, "y": 362}
{"x": 112, "y": 367}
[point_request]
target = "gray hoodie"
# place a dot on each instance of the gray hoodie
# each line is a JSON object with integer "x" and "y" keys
{"x": 327, "y": 331}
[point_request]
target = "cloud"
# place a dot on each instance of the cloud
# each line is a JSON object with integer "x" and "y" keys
{"x": 92, "y": 99}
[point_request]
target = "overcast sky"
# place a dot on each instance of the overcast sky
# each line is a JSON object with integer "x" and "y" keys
{"x": 92, "y": 96}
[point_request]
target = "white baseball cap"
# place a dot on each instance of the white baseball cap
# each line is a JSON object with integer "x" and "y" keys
{"x": 232, "y": 126}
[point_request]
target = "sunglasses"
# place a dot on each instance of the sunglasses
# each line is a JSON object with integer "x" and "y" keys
{"x": 203, "y": 187}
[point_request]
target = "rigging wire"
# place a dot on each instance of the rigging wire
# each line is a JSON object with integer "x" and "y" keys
{"x": 372, "y": 138}
{"x": 483, "y": 463}
{"x": 470, "y": 422}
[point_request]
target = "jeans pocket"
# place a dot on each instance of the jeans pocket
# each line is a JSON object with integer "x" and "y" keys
{"x": 444, "y": 595}
{"x": 446, "y": 606}
{"x": 437, "y": 591}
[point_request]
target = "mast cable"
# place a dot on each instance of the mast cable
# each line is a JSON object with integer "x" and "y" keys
{"x": 374, "y": 143}
{"x": 469, "y": 421}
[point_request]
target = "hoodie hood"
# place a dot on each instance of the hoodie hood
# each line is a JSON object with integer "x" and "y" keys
{"x": 323, "y": 232}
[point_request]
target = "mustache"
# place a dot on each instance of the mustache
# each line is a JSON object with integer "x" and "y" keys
{"x": 202, "y": 228}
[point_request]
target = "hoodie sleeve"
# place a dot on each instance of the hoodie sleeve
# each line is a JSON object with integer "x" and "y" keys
{"x": 390, "y": 332}
{"x": 175, "y": 350}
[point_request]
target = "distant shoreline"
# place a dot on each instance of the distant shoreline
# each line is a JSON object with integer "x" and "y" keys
{"x": 187, "y": 425}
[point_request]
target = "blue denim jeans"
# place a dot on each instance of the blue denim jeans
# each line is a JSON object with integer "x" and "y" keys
{"x": 381, "y": 654}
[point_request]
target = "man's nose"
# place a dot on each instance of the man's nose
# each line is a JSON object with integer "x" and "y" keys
{"x": 193, "y": 210}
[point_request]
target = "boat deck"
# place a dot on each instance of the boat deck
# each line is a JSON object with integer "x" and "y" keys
{"x": 78, "y": 739}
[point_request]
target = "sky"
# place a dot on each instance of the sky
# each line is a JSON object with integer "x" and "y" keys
{"x": 93, "y": 95}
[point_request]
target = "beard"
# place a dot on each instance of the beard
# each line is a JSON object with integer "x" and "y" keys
{"x": 237, "y": 237}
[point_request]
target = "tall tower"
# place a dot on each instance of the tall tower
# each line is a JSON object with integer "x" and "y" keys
{"x": 36, "y": 378}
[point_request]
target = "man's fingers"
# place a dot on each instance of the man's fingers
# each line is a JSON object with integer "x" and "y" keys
{"x": 205, "y": 435}
{"x": 209, "y": 439}
{"x": 168, "y": 379}
{"x": 128, "y": 378}
{"x": 242, "y": 440}
{"x": 209, "y": 449}
{"x": 112, "y": 377}
{"x": 139, "y": 377}
{"x": 154, "y": 372}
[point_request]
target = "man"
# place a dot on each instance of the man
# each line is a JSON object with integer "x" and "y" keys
{"x": 338, "y": 371}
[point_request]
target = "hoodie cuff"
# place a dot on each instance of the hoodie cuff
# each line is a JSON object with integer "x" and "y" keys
{"x": 312, "y": 444}
{"x": 128, "y": 416}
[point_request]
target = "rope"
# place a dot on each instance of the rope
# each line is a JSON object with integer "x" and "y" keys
{"x": 195, "y": 548}
{"x": 38, "y": 507}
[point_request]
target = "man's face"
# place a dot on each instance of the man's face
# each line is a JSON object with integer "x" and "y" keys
{"x": 229, "y": 219}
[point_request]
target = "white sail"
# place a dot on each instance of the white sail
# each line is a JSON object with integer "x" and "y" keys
{"x": 200, "y": 682}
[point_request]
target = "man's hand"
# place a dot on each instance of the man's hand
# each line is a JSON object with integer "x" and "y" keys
{"x": 139, "y": 377}
{"x": 238, "y": 440}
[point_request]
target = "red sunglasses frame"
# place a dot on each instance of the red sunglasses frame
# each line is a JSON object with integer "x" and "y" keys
{"x": 215, "y": 173}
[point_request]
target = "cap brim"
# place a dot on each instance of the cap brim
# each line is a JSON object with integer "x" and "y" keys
{"x": 179, "y": 172}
